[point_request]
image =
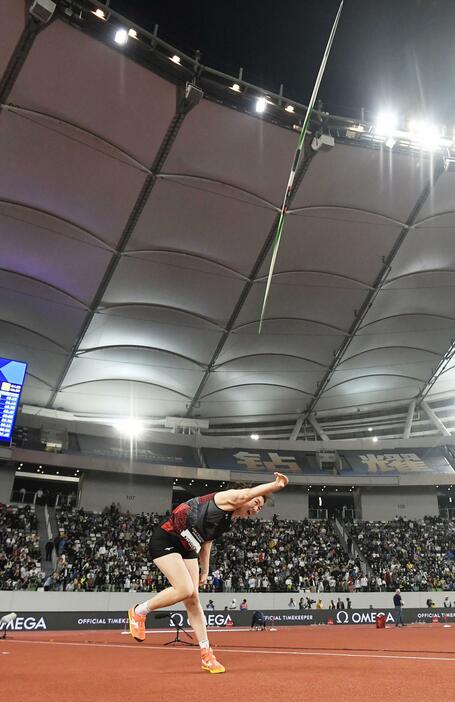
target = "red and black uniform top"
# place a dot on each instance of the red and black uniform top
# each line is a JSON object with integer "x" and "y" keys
{"x": 197, "y": 521}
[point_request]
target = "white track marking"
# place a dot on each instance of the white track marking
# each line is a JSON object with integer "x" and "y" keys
{"x": 172, "y": 630}
{"x": 238, "y": 650}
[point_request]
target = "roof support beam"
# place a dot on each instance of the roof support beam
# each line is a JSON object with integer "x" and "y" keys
{"x": 409, "y": 418}
{"x": 441, "y": 367}
{"x": 20, "y": 53}
{"x": 317, "y": 427}
{"x": 435, "y": 419}
{"x": 296, "y": 429}
{"x": 376, "y": 288}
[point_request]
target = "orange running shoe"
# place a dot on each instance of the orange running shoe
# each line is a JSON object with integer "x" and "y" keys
{"x": 209, "y": 662}
{"x": 137, "y": 625}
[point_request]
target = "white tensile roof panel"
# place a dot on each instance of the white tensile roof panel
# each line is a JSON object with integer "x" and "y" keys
{"x": 233, "y": 148}
{"x": 76, "y": 78}
{"x": 209, "y": 219}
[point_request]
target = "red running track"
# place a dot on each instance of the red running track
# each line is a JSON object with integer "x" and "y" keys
{"x": 311, "y": 664}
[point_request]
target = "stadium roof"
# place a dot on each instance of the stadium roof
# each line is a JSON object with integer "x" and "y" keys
{"x": 136, "y": 231}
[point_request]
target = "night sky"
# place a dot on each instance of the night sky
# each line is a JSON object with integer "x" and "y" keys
{"x": 396, "y": 54}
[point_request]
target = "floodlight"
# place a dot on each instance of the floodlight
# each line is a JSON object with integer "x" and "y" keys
{"x": 235, "y": 87}
{"x": 427, "y": 135}
{"x": 129, "y": 427}
{"x": 324, "y": 142}
{"x": 386, "y": 124}
{"x": 42, "y": 10}
{"x": 375, "y": 438}
{"x": 289, "y": 108}
{"x": 390, "y": 142}
{"x": 370, "y": 428}
{"x": 121, "y": 36}
{"x": 255, "y": 437}
{"x": 261, "y": 104}
{"x": 132, "y": 33}
{"x": 175, "y": 59}
{"x": 99, "y": 13}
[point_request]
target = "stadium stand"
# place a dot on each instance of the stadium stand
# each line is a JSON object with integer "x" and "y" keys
{"x": 410, "y": 554}
{"x": 108, "y": 551}
{"x": 20, "y": 567}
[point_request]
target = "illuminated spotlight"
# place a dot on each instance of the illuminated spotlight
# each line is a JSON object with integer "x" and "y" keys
{"x": 386, "y": 124}
{"x": 255, "y": 437}
{"x": 57, "y": 473}
{"x": 261, "y": 105}
{"x": 132, "y": 33}
{"x": 374, "y": 438}
{"x": 289, "y": 108}
{"x": 425, "y": 134}
{"x": 121, "y": 36}
{"x": 99, "y": 13}
{"x": 390, "y": 142}
{"x": 130, "y": 427}
{"x": 370, "y": 428}
{"x": 235, "y": 87}
{"x": 19, "y": 468}
{"x": 175, "y": 59}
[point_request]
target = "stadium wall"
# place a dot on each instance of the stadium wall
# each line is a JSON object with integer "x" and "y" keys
{"x": 289, "y": 504}
{"x": 384, "y": 504}
{"x": 24, "y": 601}
{"x": 135, "y": 493}
{"x": 7, "y": 470}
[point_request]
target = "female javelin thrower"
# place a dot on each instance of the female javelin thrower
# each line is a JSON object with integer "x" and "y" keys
{"x": 178, "y": 542}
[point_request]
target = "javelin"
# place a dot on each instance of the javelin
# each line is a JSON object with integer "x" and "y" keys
{"x": 295, "y": 164}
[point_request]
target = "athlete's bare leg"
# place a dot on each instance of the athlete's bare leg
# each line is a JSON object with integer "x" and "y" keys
{"x": 182, "y": 585}
{"x": 193, "y": 603}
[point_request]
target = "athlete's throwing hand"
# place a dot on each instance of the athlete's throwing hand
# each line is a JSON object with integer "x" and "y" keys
{"x": 281, "y": 480}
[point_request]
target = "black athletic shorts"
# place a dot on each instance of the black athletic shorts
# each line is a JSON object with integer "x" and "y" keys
{"x": 162, "y": 543}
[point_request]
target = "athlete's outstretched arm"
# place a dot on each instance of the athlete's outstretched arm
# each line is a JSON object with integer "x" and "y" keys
{"x": 204, "y": 561}
{"x": 232, "y": 499}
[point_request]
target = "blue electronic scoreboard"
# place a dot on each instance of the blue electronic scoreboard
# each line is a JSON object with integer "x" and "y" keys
{"x": 12, "y": 374}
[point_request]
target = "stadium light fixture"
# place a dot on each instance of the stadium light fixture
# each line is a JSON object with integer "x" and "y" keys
{"x": 131, "y": 427}
{"x": 175, "y": 59}
{"x": 370, "y": 428}
{"x": 99, "y": 13}
{"x": 390, "y": 142}
{"x": 289, "y": 108}
{"x": 255, "y": 437}
{"x": 386, "y": 124}
{"x": 425, "y": 134}
{"x": 375, "y": 439}
{"x": 235, "y": 87}
{"x": 261, "y": 105}
{"x": 132, "y": 33}
{"x": 121, "y": 37}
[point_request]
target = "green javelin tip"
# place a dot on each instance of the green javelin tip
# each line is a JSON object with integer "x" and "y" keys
{"x": 295, "y": 164}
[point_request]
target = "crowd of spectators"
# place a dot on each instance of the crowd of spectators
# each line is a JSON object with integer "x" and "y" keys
{"x": 104, "y": 551}
{"x": 109, "y": 551}
{"x": 411, "y": 555}
{"x": 279, "y": 556}
{"x": 20, "y": 557}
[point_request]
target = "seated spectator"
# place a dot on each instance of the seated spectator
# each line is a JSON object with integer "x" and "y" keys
{"x": 244, "y": 605}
